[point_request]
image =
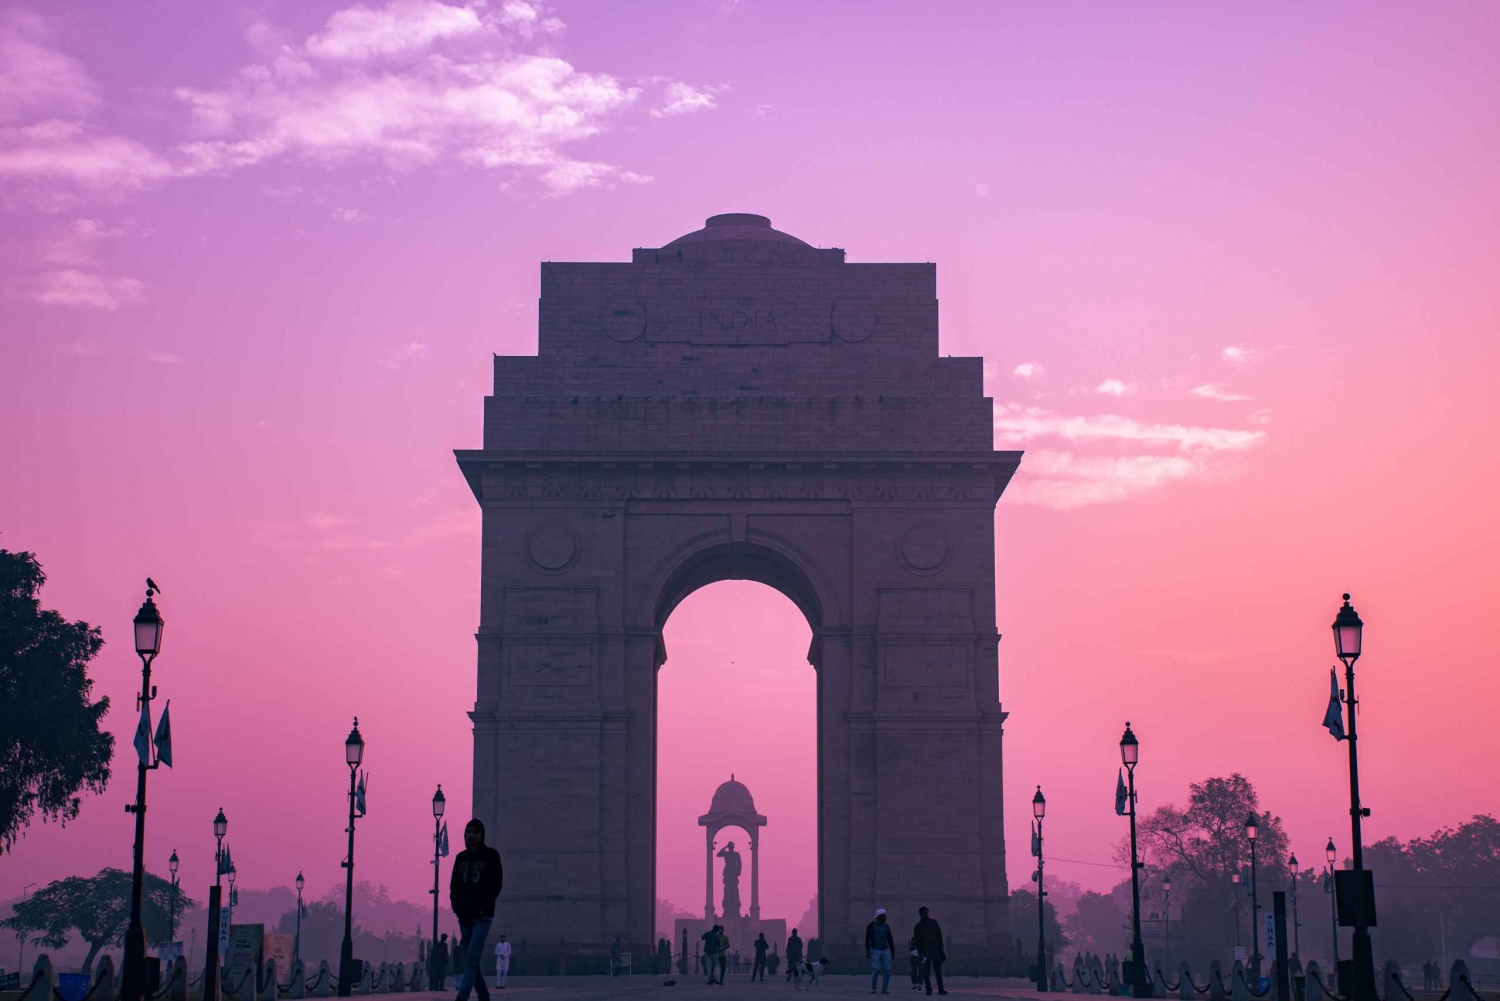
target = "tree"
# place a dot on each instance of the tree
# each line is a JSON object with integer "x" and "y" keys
{"x": 98, "y": 907}
{"x": 51, "y": 746}
{"x": 1445, "y": 881}
{"x": 1207, "y": 839}
{"x": 1099, "y": 924}
{"x": 1023, "y": 916}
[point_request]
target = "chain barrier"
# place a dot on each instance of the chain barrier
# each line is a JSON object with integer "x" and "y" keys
{"x": 1468, "y": 987}
{"x": 176, "y": 972}
{"x": 196, "y": 982}
{"x": 236, "y": 991}
{"x": 57, "y": 995}
{"x": 1252, "y": 991}
{"x": 36, "y": 978}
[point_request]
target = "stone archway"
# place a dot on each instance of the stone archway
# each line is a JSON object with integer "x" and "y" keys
{"x": 740, "y": 405}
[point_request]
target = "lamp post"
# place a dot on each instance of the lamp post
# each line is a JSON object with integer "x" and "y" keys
{"x": 1333, "y": 904}
{"x": 1039, "y": 810}
{"x": 1348, "y": 638}
{"x": 1252, "y": 830}
{"x": 172, "y": 864}
{"x": 354, "y": 752}
{"x": 1166, "y": 914}
{"x": 20, "y": 935}
{"x": 1130, "y": 753}
{"x": 211, "y": 960}
{"x": 1235, "y": 881}
{"x": 1296, "y": 924}
{"x": 148, "y": 629}
{"x": 297, "y": 942}
{"x": 439, "y": 804}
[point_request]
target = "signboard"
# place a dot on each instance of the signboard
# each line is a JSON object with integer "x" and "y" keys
{"x": 246, "y": 953}
{"x": 1355, "y": 893}
{"x": 1241, "y": 954}
{"x": 278, "y": 946}
{"x": 1270, "y": 934}
{"x": 169, "y": 952}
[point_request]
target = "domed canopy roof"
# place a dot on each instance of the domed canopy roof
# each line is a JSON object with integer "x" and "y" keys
{"x": 732, "y": 797}
{"x": 737, "y": 226}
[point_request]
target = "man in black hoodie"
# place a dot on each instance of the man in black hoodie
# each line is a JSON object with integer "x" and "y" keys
{"x": 477, "y": 878}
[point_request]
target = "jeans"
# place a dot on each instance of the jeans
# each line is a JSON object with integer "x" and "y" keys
{"x": 759, "y": 968}
{"x": 933, "y": 965}
{"x": 880, "y": 962}
{"x": 471, "y": 948}
{"x": 711, "y": 965}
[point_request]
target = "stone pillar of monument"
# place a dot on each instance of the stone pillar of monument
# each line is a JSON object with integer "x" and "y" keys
{"x": 754, "y": 876}
{"x": 708, "y": 876}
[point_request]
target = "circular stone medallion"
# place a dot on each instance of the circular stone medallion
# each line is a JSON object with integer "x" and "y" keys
{"x": 624, "y": 321}
{"x": 552, "y": 548}
{"x": 924, "y": 549}
{"x": 854, "y": 320}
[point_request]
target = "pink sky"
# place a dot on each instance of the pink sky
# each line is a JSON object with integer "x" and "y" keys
{"x": 1232, "y": 271}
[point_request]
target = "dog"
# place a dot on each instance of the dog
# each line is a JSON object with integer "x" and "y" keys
{"x": 812, "y": 971}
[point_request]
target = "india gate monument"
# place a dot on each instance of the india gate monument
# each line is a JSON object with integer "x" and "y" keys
{"x": 738, "y": 404}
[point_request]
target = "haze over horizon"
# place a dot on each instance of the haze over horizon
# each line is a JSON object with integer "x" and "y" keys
{"x": 1231, "y": 272}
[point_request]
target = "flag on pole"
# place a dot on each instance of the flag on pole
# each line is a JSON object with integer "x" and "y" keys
{"x": 1122, "y": 797}
{"x": 443, "y": 841}
{"x": 164, "y": 736}
{"x": 143, "y": 734}
{"x": 1036, "y": 842}
{"x": 224, "y": 862}
{"x": 1333, "y": 719}
{"x": 359, "y": 795}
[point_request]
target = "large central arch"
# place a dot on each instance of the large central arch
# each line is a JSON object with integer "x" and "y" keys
{"x": 740, "y": 405}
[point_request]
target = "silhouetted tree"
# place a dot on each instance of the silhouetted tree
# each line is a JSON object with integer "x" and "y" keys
{"x": 1449, "y": 877}
{"x": 1099, "y": 924}
{"x": 51, "y": 746}
{"x": 98, "y": 907}
{"x": 1023, "y": 922}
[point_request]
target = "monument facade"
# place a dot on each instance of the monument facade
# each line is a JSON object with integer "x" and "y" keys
{"x": 738, "y": 404}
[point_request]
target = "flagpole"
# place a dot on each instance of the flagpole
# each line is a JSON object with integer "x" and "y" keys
{"x": 439, "y": 804}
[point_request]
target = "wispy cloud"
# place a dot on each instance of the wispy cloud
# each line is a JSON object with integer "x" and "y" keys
{"x": 87, "y": 290}
{"x": 982, "y": 190}
{"x": 349, "y": 216}
{"x": 1114, "y": 387}
{"x": 1067, "y": 478}
{"x": 1219, "y": 391}
{"x": 1028, "y": 370}
{"x": 1239, "y": 354}
{"x": 359, "y": 32}
{"x": 680, "y": 98}
{"x": 399, "y": 355}
{"x": 36, "y": 80}
{"x": 163, "y": 358}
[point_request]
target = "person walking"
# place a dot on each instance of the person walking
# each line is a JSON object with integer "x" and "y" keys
{"x": 880, "y": 942}
{"x": 929, "y": 939}
{"x": 761, "y": 948}
{"x": 614, "y": 957}
{"x": 723, "y": 953}
{"x": 793, "y": 954}
{"x": 502, "y": 962}
{"x": 440, "y": 962}
{"x": 711, "y": 952}
{"x": 476, "y": 883}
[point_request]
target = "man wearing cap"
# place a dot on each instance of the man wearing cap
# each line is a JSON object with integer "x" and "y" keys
{"x": 879, "y": 943}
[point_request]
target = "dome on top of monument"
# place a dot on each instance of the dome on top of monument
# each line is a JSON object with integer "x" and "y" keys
{"x": 737, "y": 226}
{"x": 732, "y": 797}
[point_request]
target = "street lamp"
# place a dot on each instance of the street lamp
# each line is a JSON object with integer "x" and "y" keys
{"x": 1296, "y": 924}
{"x": 211, "y": 983}
{"x": 1039, "y": 810}
{"x": 1130, "y": 753}
{"x": 354, "y": 753}
{"x": 439, "y": 804}
{"x": 1166, "y": 914}
{"x": 1333, "y": 904}
{"x": 1348, "y": 640}
{"x": 172, "y": 864}
{"x": 148, "y": 630}
{"x": 1235, "y": 879}
{"x": 1252, "y": 831}
{"x": 297, "y": 942}
{"x": 20, "y": 935}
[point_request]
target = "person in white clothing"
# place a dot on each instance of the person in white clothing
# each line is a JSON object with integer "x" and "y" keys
{"x": 502, "y": 962}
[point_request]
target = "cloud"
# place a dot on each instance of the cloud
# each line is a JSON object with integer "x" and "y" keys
{"x": 684, "y": 99}
{"x": 77, "y": 241}
{"x": 764, "y": 109}
{"x": 1065, "y": 478}
{"x": 88, "y": 291}
{"x": 1113, "y": 387}
{"x": 1240, "y": 355}
{"x": 1219, "y": 391}
{"x": 358, "y": 32}
{"x": 163, "y": 358}
{"x": 1028, "y": 370}
{"x": 982, "y": 190}
{"x": 407, "y": 84}
{"x": 1260, "y": 416}
{"x": 36, "y": 80}
{"x": 1017, "y": 423}
{"x": 350, "y": 216}
{"x": 398, "y": 355}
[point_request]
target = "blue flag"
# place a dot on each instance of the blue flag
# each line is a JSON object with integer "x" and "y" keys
{"x": 1122, "y": 797}
{"x": 143, "y": 735}
{"x": 1333, "y": 719}
{"x": 443, "y": 841}
{"x": 164, "y": 736}
{"x": 359, "y": 796}
{"x": 1036, "y": 842}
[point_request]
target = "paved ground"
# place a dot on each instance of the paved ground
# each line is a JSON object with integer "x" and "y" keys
{"x": 694, "y": 989}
